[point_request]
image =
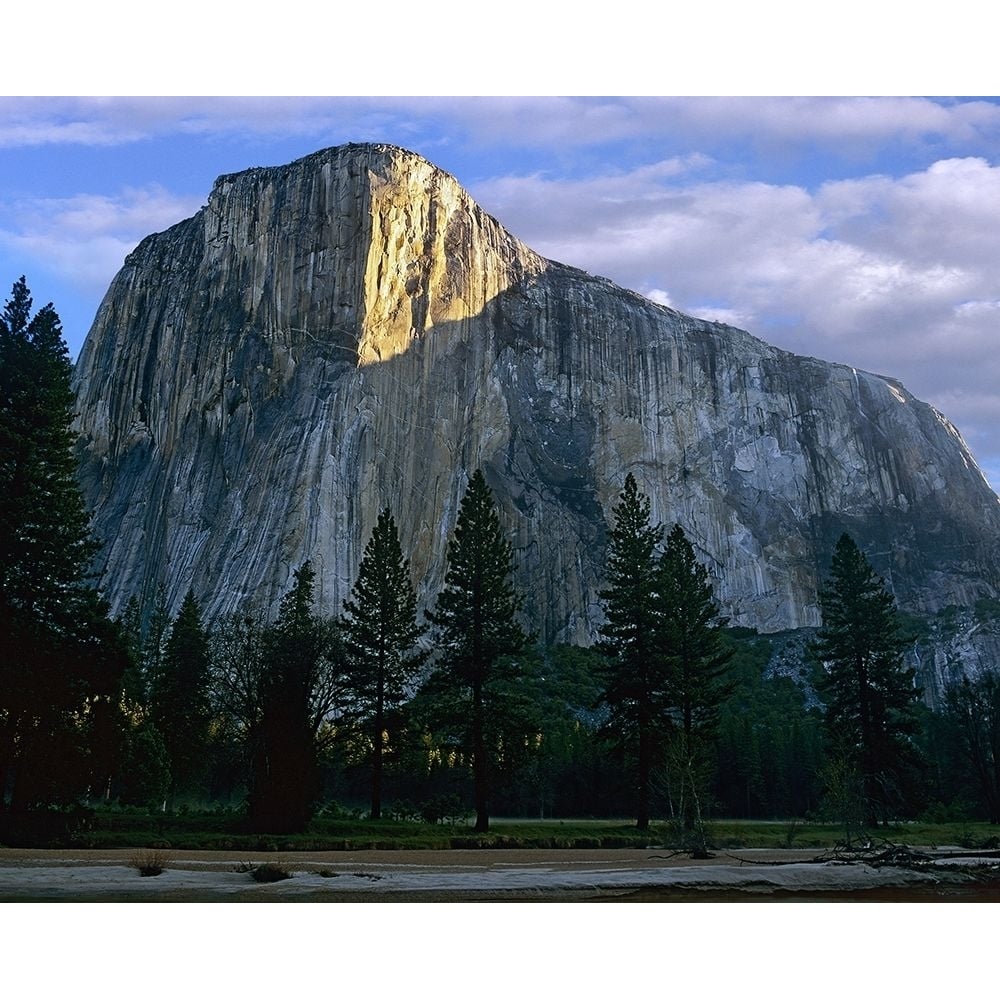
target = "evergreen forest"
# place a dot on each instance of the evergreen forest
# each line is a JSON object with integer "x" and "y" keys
{"x": 457, "y": 715}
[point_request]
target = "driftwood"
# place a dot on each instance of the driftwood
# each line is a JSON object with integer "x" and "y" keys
{"x": 878, "y": 854}
{"x": 691, "y": 852}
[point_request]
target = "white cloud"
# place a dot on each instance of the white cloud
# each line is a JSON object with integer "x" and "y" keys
{"x": 891, "y": 273}
{"x": 85, "y": 238}
{"x": 659, "y": 296}
{"x": 842, "y": 119}
{"x": 845, "y": 126}
{"x": 731, "y": 317}
{"x": 118, "y": 121}
{"x": 896, "y": 275}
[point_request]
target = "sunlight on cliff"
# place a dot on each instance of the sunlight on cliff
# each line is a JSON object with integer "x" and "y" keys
{"x": 433, "y": 258}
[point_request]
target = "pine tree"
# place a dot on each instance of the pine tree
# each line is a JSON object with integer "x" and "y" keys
{"x": 301, "y": 682}
{"x": 380, "y": 632}
{"x": 154, "y": 644}
{"x": 972, "y": 715}
{"x": 870, "y": 694}
{"x": 665, "y": 654}
{"x": 63, "y": 658}
{"x": 180, "y": 697}
{"x": 691, "y": 630}
{"x": 690, "y": 638}
{"x": 45, "y": 541}
{"x": 134, "y": 681}
{"x": 477, "y": 631}
{"x": 636, "y": 681}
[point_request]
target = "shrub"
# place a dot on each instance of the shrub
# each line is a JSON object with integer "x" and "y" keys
{"x": 404, "y": 811}
{"x": 269, "y": 872}
{"x": 442, "y": 808}
{"x": 148, "y": 862}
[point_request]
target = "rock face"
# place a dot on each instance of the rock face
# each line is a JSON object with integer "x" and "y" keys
{"x": 351, "y": 331}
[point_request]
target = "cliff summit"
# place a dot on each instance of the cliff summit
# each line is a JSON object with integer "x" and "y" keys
{"x": 351, "y": 331}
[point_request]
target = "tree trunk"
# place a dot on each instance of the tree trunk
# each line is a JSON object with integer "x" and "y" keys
{"x": 377, "y": 749}
{"x": 377, "y": 766}
{"x": 645, "y": 767}
{"x": 480, "y": 770}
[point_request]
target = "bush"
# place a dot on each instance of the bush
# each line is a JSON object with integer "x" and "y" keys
{"x": 48, "y": 827}
{"x": 148, "y": 862}
{"x": 442, "y": 808}
{"x": 404, "y": 811}
{"x": 957, "y": 811}
{"x": 270, "y": 872}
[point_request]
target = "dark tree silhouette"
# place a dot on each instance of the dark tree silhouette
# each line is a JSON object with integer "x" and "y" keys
{"x": 381, "y": 632}
{"x": 690, "y": 637}
{"x": 870, "y": 694}
{"x": 300, "y": 686}
{"x": 62, "y": 659}
{"x": 665, "y": 655}
{"x": 179, "y": 697}
{"x": 635, "y": 688}
{"x": 973, "y": 710}
{"x": 477, "y": 632}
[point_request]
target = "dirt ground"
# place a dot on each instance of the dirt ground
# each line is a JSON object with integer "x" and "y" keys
{"x": 472, "y": 875}
{"x": 470, "y": 859}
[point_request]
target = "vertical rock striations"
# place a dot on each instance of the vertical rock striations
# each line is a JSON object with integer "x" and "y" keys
{"x": 351, "y": 331}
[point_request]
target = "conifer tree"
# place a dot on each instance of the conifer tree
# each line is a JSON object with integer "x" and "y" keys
{"x": 972, "y": 714}
{"x": 180, "y": 697}
{"x": 870, "y": 694}
{"x": 689, "y": 631}
{"x": 300, "y": 685}
{"x": 62, "y": 658}
{"x": 45, "y": 541}
{"x": 665, "y": 655}
{"x": 381, "y": 632}
{"x": 154, "y": 643}
{"x": 636, "y": 681}
{"x": 134, "y": 681}
{"x": 477, "y": 632}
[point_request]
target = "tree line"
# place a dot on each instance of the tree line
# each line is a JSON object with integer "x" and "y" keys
{"x": 671, "y": 714}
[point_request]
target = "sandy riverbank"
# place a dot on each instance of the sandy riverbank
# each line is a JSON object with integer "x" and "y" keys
{"x": 487, "y": 875}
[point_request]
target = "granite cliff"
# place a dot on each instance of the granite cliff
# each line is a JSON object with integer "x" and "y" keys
{"x": 351, "y": 331}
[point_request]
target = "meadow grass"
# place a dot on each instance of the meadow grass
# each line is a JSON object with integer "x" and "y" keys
{"x": 228, "y": 831}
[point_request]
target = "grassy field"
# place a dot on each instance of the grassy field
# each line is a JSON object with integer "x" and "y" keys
{"x": 226, "y": 831}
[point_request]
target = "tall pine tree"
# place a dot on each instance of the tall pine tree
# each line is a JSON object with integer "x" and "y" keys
{"x": 300, "y": 685}
{"x": 665, "y": 655}
{"x": 381, "y": 633}
{"x": 180, "y": 697}
{"x": 635, "y": 687}
{"x": 63, "y": 659}
{"x": 972, "y": 717}
{"x": 45, "y": 541}
{"x": 869, "y": 692}
{"x": 689, "y": 631}
{"x": 477, "y": 632}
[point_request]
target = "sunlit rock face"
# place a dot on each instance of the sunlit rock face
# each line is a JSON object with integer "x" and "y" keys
{"x": 351, "y": 331}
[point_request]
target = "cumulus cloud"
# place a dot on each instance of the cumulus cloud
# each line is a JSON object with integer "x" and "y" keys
{"x": 846, "y": 126}
{"x": 840, "y": 120}
{"x": 889, "y": 271}
{"x": 85, "y": 238}
{"x": 894, "y": 275}
{"x": 119, "y": 121}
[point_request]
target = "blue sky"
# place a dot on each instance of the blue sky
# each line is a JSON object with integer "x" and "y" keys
{"x": 859, "y": 230}
{"x": 862, "y": 231}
